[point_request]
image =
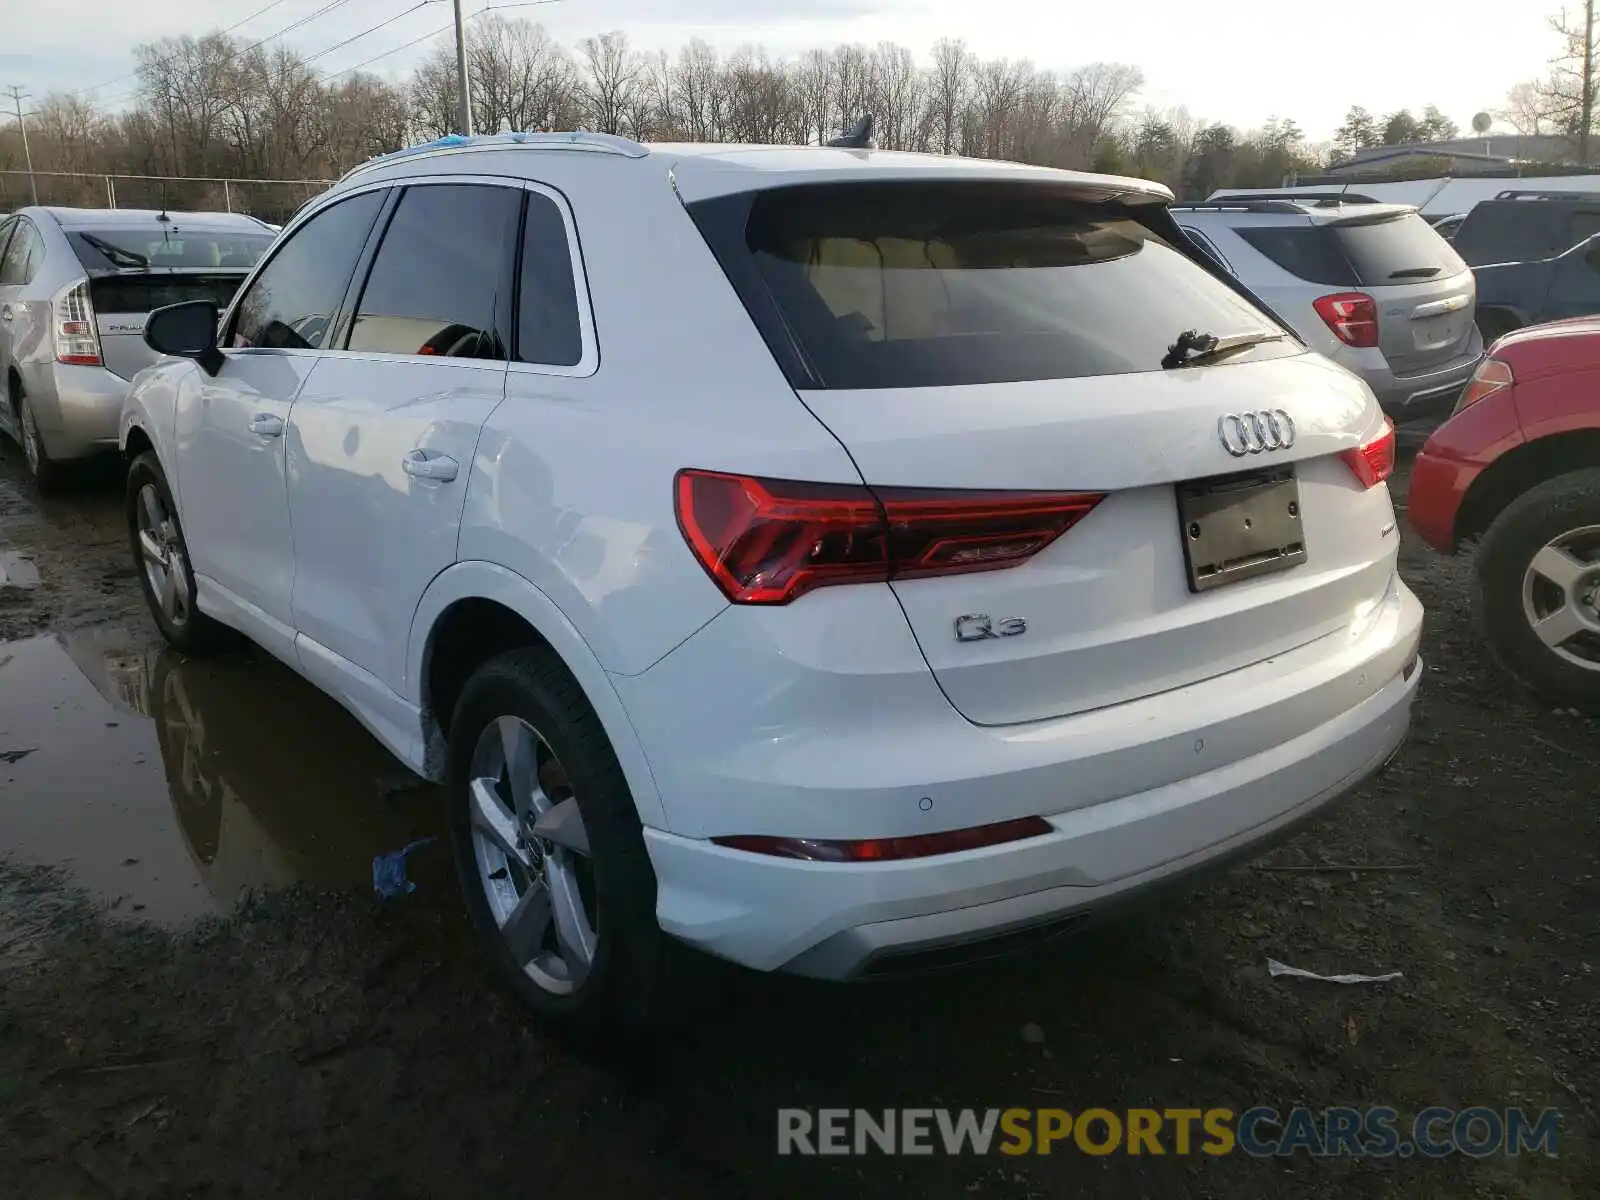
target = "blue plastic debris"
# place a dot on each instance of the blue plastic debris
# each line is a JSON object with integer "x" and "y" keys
{"x": 449, "y": 139}
{"x": 389, "y": 871}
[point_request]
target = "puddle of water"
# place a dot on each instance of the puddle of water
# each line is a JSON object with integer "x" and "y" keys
{"x": 170, "y": 786}
{"x": 17, "y": 571}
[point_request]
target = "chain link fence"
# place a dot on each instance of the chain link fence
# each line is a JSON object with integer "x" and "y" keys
{"x": 273, "y": 200}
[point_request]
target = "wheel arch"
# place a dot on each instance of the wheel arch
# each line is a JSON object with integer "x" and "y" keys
{"x": 1506, "y": 317}
{"x": 1523, "y": 467}
{"x": 487, "y": 609}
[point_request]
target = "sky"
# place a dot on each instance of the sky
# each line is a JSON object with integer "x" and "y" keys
{"x": 1235, "y": 61}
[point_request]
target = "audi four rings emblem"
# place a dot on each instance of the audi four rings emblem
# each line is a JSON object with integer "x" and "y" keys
{"x": 1255, "y": 432}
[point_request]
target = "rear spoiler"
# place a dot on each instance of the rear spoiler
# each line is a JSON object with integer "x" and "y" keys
{"x": 1388, "y": 212}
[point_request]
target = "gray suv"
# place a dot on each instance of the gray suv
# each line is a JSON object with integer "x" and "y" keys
{"x": 1371, "y": 286}
{"x": 75, "y": 288}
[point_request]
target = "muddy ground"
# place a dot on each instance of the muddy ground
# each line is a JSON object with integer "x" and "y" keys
{"x": 200, "y": 997}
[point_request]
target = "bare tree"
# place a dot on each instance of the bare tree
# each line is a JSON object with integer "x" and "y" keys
{"x": 1569, "y": 92}
{"x": 948, "y": 89}
{"x": 697, "y": 80}
{"x": 1527, "y": 109}
{"x": 612, "y": 77}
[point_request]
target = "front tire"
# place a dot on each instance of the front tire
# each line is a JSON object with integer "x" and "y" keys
{"x": 549, "y": 848}
{"x": 1538, "y": 590}
{"x": 161, "y": 554}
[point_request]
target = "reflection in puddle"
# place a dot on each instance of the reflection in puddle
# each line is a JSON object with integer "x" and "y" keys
{"x": 170, "y": 786}
{"x": 17, "y": 571}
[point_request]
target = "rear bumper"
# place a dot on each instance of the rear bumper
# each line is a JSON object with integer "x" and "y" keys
{"x": 1431, "y": 395}
{"x": 1280, "y": 741}
{"x": 77, "y": 408}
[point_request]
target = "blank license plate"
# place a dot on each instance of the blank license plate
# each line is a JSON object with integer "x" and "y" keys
{"x": 1237, "y": 527}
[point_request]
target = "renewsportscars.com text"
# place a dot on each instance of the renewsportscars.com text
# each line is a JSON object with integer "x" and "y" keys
{"x": 1260, "y": 1132}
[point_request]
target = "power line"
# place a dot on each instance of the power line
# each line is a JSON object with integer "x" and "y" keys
{"x": 236, "y": 53}
{"x": 262, "y": 11}
{"x": 488, "y": 8}
{"x": 357, "y": 37}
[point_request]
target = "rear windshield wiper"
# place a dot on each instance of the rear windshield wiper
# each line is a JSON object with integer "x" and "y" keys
{"x": 1193, "y": 348}
{"x": 123, "y": 258}
{"x": 1415, "y": 273}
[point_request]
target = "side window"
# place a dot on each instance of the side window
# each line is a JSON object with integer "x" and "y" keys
{"x": 548, "y": 329}
{"x": 1307, "y": 252}
{"x": 1575, "y": 288}
{"x": 442, "y": 274}
{"x": 22, "y": 256}
{"x": 6, "y": 228}
{"x": 292, "y": 303}
{"x": 1585, "y": 224}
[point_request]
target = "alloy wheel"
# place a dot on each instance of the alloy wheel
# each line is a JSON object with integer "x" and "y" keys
{"x": 532, "y": 855}
{"x": 1561, "y": 596}
{"x": 166, "y": 567}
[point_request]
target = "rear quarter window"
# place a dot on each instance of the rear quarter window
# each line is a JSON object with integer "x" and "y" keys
{"x": 923, "y": 285}
{"x": 1307, "y": 252}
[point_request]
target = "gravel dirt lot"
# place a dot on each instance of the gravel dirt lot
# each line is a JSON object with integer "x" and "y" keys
{"x": 199, "y": 995}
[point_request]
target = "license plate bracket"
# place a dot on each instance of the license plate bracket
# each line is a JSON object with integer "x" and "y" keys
{"x": 1242, "y": 526}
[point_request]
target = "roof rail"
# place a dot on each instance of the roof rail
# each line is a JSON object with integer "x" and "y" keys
{"x": 595, "y": 143}
{"x": 1308, "y": 197}
{"x": 1544, "y": 194}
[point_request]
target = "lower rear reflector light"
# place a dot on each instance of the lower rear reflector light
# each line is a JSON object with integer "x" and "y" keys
{"x": 923, "y": 845}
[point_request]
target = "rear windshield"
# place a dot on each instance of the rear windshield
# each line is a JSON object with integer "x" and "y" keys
{"x": 1395, "y": 250}
{"x": 146, "y": 293}
{"x": 135, "y": 249}
{"x": 919, "y": 285}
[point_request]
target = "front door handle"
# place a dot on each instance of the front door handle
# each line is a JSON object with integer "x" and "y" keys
{"x": 424, "y": 464}
{"x": 266, "y": 425}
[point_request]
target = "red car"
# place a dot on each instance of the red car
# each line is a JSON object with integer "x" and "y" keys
{"x": 1517, "y": 470}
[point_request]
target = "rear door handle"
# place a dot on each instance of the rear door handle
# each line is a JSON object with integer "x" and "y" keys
{"x": 424, "y": 464}
{"x": 266, "y": 425}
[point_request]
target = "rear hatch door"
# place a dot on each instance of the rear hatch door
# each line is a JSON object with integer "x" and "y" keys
{"x": 149, "y": 263}
{"x": 980, "y": 340}
{"x": 1423, "y": 291}
{"x": 124, "y": 300}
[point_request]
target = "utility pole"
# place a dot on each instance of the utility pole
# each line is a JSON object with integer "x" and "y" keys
{"x": 463, "y": 89}
{"x": 1586, "y": 97}
{"x": 17, "y": 97}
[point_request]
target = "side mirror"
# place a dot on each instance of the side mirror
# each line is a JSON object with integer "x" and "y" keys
{"x": 187, "y": 330}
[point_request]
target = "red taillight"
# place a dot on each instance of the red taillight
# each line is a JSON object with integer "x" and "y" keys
{"x": 769, "y": 541}
{"x": 923, "y": 845}
{"x": 1491, "y": 376}
{"x": 77, "y": 338}
{"x": 1353, "y": 317}
{"x": 1372, "y": 462}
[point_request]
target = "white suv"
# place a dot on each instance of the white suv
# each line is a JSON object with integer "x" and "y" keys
{"x": 834, "y": 560}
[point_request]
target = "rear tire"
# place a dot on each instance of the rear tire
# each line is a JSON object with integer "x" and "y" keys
{"x": 48, "y": 475}
{"x": 1537, "y": 601}
{"x": 161, "y": 556}
{"x": 571, "y": 932}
